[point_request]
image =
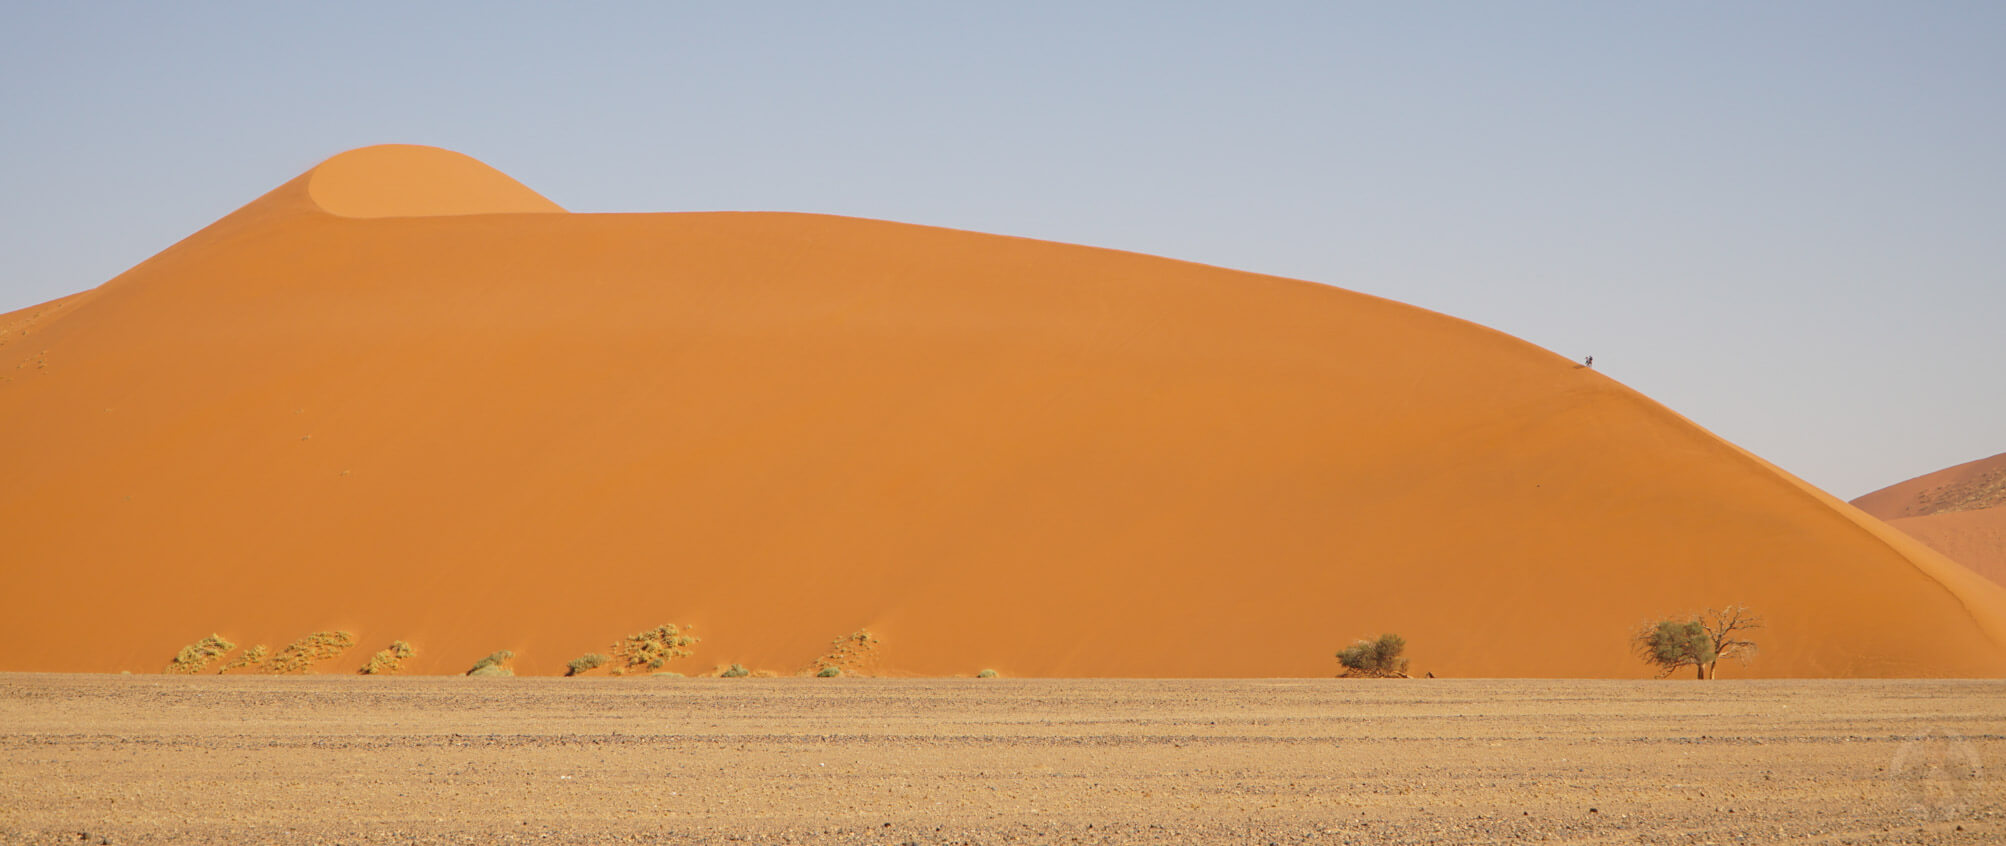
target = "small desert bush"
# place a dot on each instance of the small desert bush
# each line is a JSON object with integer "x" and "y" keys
{"x": 853, "y": 654}
{"x": 300, "y": 655}
{"x": 250, "y": 659}
{"x": 986, "y": 674}
{"x": 197, "y": 656}
{"x": 651, "y": 649}
{"x": 588, "y": 661}
{"x": 669, "y": 674}
{"x": 493, "y": 665}
{"x": 735, "y": 671}
{"x": 828, "y": 672}
{"x": 1375, "y": 658}
{"x": 388, "y": 661}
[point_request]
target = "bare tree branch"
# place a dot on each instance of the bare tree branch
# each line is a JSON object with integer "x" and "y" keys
{"x": 1722, "y": 625}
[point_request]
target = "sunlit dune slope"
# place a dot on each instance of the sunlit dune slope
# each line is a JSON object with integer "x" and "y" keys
{"x": 1971, "y": 486}
{"x": 473, "y": 422}
{"x": 1959, "y": 511}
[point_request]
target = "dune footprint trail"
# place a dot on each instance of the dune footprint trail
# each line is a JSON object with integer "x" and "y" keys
{"x": 406, "y": 397}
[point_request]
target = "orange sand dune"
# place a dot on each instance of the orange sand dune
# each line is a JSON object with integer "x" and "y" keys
{"x": 404, "y": 396}
{"x": 1971, "y": 486}
{"x": 1959, "y": 511}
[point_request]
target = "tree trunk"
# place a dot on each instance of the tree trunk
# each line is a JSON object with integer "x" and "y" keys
{"x": 1700, "y": 670}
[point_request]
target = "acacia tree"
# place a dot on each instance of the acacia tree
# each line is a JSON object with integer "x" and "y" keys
{"x": 1699, "y": 642}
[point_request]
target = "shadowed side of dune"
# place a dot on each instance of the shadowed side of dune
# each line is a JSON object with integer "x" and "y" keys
{"x": 1959, "y": 511}
{"x": 540, "y": 432}
{"x": 1975, "y": 539}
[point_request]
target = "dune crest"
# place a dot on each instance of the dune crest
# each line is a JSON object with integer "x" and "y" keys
{"x": 473, "y": 429}
{"x": 405, "y": 180}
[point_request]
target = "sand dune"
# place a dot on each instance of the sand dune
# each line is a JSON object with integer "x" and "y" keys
{"x": 1959, "y": 511}
{"x": 1971, "y": 486}
{"x": 405, "y": 397}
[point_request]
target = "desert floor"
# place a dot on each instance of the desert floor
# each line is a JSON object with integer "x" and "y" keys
{"x": 138, "y": 759}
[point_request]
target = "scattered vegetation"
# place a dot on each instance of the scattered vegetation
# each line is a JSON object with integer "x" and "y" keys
{"x": 1699, "y": 641}
{"x": 986, "y": 674}
{"x": 249, "y": 659}
{"x": 735, "y": 671}
{"x": 1378, "y": 659}
{"x": 582, "y": 663}
{"x": 388, "y": 661}
{"x": 496, "y": 664}
{"x": 853, "y": 654}
{"x": 829, "y": 672}
{"x": 197, "y": 656}
{"x": 302, "y": 654}
{"x": 649, "y": 650}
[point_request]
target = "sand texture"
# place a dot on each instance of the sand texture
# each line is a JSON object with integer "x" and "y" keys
{"x": 146, "y": 759}
{"x": 1959, "y": 511}
{"x": 406, "y": 398}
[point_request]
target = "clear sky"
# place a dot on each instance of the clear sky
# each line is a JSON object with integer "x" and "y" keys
{"x": 1785, "y": 220}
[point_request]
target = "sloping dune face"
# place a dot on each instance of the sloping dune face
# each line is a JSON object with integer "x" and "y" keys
{"x": 501, "y": 427}
{"x": 1959, "y": 511}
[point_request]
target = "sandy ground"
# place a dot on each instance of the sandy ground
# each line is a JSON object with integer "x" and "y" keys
{"x": 140, "y": 759}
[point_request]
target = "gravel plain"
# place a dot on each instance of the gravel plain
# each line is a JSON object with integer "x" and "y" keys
{"x": 329, "y": 759}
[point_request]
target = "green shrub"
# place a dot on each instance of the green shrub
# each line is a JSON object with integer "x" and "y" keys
{"x": 1375, "y": 658}
{"x": 300, "y": 655}
{"x": 251, "y": 659}
{"x": 388, "y": 661}
{"x": 657, "y": 646}
{"x": 588, "y": 661}
{"x": 735, "y": 671}
{"x": 197, "y": 656}
{"x": 829, "y": 672}
{"x": 986, "y": 674}
{"x": 853, "y": 654}
{"x": 493, "y": 665}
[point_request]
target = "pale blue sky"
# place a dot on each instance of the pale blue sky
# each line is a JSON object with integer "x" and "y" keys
{"x": 1784, "y": 220}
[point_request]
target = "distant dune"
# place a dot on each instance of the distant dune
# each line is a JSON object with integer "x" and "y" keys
{"x": 1959, "y": 511}
{"x": 406, "y": 397}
